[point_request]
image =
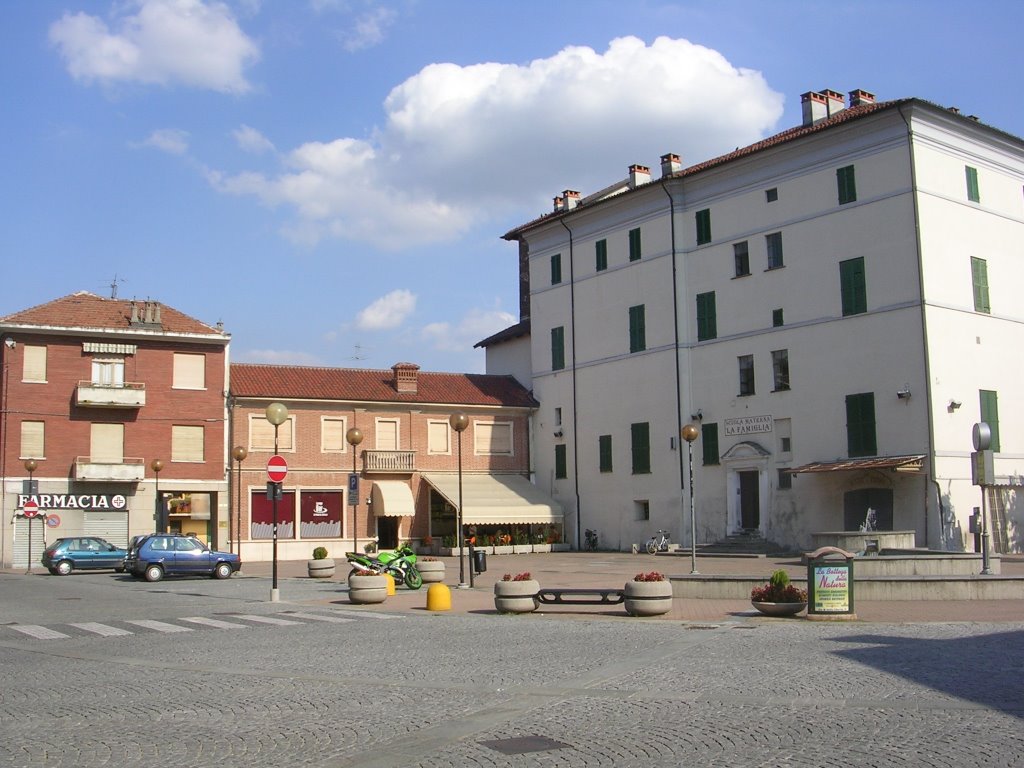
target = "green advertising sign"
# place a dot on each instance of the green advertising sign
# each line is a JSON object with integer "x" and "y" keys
{"x": 831, "y": 587}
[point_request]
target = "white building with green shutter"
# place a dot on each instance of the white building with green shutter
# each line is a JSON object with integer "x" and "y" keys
{"x": 834, "y": 307}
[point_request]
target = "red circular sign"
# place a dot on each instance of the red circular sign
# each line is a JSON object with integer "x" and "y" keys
{"x": 277, "y": 469}
{"x": 30, "y": 509}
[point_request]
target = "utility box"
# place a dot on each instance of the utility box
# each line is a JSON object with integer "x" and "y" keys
{"x": 830, "y": 585}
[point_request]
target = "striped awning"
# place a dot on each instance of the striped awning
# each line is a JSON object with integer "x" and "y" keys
{"x": 496, "y": 499}
{"x": 894, "y": 463}
{"x": 392, "y": 498}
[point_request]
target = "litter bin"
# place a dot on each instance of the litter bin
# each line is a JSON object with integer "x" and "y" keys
{"x": 479, "y": 560}
{"x": 830, "y": 584}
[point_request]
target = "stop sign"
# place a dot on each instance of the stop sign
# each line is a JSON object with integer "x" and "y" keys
{"x": 30, "y": 509}
{"x": 277, "y": 469}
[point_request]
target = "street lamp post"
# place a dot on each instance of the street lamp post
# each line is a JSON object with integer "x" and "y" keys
{"x": 30, "y": 467}
{"x": 156, "y": 465}
{"x": 277, "y": 414}
{"x": 238, "y": 453}
{"x": 354, "y": 437}
{"x": 459, "y": 422}
{"x": 689, "y": 433}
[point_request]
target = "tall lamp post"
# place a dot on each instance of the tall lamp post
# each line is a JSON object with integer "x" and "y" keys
{"x": 689, "y": 433}
{"x": 459, "y": 422}
{"x": 238, "y": 453}
{"x": 30, "y": 467}
{"x": 161, "y": 527}
{"x": 354, "y": 437}
{"x": 277, "y": 414}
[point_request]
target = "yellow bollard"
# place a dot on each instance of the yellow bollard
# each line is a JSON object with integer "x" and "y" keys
{"x": 391, "y": 583}
{"x": 439, "y": 597}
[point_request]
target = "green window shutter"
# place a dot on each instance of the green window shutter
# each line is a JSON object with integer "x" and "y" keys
{"x": 601, "y": 255}
{"x": 604, "y": 450}
{"x": 979, "y": 277}
{"x": 990, "y": 414}
{"x": 847, "y": 185}
{"x": 640, "y": 441}
{"x": 703, "y": 219}
{"x": 860, "y": 425}
{"x": 853, "y": 286}
{"x": 777, "y": 318}
{"x": 561, "y": 466}
{"x": 709, "y": 443}
{"x": 634, "y": 245}
{"x": 557, "y": 348}
{"x": 637, "y": 329}
{"x": 556, "y": 269}
{"x": 972, "y": 184}
{"x": 707, "y": 324}
{"x": 773, "y": 244}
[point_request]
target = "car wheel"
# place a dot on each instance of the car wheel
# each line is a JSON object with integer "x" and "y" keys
{"x": 154, "y": 573}
{"x": 64, "y": 567}
{"x": 222, "y": 571}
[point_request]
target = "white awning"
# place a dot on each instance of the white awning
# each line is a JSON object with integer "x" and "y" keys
{"x": 392, "y": 498}
{"x": 496, "y": 499}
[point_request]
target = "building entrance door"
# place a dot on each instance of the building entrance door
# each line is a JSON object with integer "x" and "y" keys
{"x": 387, "y": 532}
{"x": 750, "y": 500}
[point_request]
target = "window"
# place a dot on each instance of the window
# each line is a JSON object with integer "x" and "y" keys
{"x": 979, "y": 277}
{"x": 746, "y": 363}
{"x": 33, "y": 440}
{"x": 108, "y": 371}
{"x": 707, "y": 325}
{"x": 439, "y": 437}
{"x": 640, "y": 443}
{"x": 492, "y": 438}
{"x": 106, "y": 444}
{"x": 741, "y": 257}
{"x": 852, "y": 286}
{"x": 556, "y": 269}
{"x": 847, "y": 185}
{"x": 709, "y": 443}
{"x": 642, "y": 509}
{"x": 990, "y": 414}
{"x": 601, "y": 255}
{"x": 777, "y": 318}
{"x": 386, "y": 434}
{"x": 34, "y": 363}
{"x": 561, "y": 468}
{"x": 558, "y": 348}
{"x": 187, "y": 444}
{"x": 332, "y": 435}
{"x": 703, "y": 220}
{"x": 860, "y": 424}
{"x": 637, "y": 330}
{"x": 189, "y": 371}
{"x": 780, "y": 369}
{"x": 972, "y": 184}
{"x": 604, "y": 452}
{"x": 261, "y": 434}
{"x": 773, "y": 242}
{"x": 635, "y": 251}
{"x": 783, "y": 436}
{"x": 771, "y": 195}
{"x": 558, "y": 417}
{"x": 785, "y": 480}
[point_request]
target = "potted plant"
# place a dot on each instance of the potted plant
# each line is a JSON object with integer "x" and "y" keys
{"x": 516, "y": 594}
{"x": 426, "y": 546}
{"x": 779, "y": 597}
{"x": 502, "y": 544}
{"x": 367, "y": 587}
{"x": 648, "y": 594}
{"x": 431, "y": 569}
{"x": 521, "y": 543}
{"x": 541, "y": 543}
{"x": 321, "y": 566}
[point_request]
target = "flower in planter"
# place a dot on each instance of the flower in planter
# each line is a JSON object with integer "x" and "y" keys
{"x": 427, "y": 540}
{"x": 518, "y": 577}
{"x": 778, "y": 590}
{"x": 652, "y": 576}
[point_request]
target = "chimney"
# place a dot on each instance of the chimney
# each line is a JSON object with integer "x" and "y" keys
{"x": 638, "y": 174}
{"x": 860, "y": 97}
{"x": 572, "y": 199}
{"x": 814, "y": 106}
{"x": 834, "y": 101}
{"x": 405, "y": 377}
{"x": 558, "y": 203}
{"x": 134, "y": 320}
{"x": 670, "y": 164}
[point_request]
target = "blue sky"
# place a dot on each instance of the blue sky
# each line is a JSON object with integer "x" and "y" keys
{"x": 331, "y": 178}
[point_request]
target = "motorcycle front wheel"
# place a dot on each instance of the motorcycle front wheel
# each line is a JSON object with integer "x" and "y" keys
{"x": 397, "y": 575}
{"x": 413, "y": 579}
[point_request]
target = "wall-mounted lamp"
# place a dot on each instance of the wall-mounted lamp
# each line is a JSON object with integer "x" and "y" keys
{"x": 9, "y": 342}
{"x": 903, "y": 394}
{"x": 953, "y": 405}
{"x": 698, "y": 416}
{"x": 558, "y": 432}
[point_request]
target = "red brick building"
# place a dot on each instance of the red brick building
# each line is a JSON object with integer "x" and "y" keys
{"x": 112, "y": 399}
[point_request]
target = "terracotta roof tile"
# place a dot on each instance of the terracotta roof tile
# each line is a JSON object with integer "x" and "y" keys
{"x": 369, "y": 385}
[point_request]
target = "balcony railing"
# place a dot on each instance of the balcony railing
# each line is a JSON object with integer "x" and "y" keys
{"x": 389, "y": 461}
{"x": 89, "y": 394}
{"x": 125, "y": 471}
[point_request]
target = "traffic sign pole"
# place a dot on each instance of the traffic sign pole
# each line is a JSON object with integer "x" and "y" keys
{"x": 30, "y": 509}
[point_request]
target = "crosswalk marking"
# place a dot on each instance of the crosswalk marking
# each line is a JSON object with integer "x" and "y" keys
{"x": 320, "y": 617}
{"x": 39, "y": 633}
{"x": 216, "y": 623}
{"x": 157, "y": 626}
{"x": 102, "y": 629}
{"x": 265, "y": 619}
{"x": 366, "y": 615}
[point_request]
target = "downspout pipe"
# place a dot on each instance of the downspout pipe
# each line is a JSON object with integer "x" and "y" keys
{"x": 572, "y": 370}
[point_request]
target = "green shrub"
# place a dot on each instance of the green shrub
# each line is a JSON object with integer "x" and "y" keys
{"x": 320, "y": 553}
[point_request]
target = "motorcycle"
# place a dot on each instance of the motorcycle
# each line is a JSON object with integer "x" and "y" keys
{"x": 400, "y": 564}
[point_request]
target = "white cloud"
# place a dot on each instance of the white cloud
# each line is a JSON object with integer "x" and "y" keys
{"x": 251, "y": 140}
{"x": 170, "y": 140}
{"x": 164, "y": 42}
{"x": 465, "y": 144}
{"x": 368, "y": 29}
{"x": 389, "y": 311}
{"x": 476, "y": 324}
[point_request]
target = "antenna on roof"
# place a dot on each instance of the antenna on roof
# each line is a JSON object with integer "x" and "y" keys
{"x": 113, "y": 285}
{"x": 358, "y": 353}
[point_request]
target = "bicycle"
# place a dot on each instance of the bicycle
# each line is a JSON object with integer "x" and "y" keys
{"x": 591, "y": 539}
{"x": 658, "y": 543}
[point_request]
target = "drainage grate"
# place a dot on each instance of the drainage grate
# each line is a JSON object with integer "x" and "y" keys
{"x": 522, "y": 744}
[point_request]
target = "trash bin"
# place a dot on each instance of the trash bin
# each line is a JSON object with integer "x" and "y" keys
{"x": 830, "y": 584}
{"x": 479, "y": 560}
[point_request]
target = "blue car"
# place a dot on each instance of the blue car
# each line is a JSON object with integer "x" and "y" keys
{"x": 175, "y": 554}
{"x": 82, "y": 553}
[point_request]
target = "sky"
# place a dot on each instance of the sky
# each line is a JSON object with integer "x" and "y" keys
{"x": 331, "y": 178}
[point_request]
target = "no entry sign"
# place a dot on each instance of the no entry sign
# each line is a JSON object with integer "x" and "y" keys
{"x": 277, "y": 469}
{"x": 30, "y": 509}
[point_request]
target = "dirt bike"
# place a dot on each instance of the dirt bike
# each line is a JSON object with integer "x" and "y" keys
{"x": 401, "y": 564}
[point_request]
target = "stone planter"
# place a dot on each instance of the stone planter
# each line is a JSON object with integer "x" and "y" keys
{"x": 648, "y": 598}
{"x": 432, "y": 571}
{"x": 503, "y": 549}
{"x": 367, "y": 589}
{"x": 561, "y": 547}
{"x": 320, "y": 569}
{"x": 541, "y": 547}
{"x": 779, "y": 609}
{"x": 516, "y": 596}
{"x": 522, "y": 549}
